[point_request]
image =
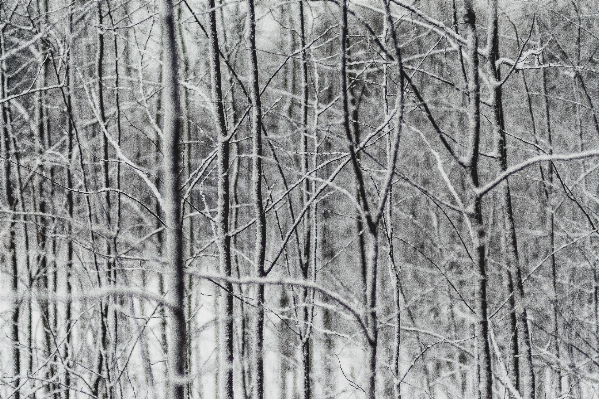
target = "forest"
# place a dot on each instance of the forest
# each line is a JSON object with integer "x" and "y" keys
{"x": 299, "y": 199}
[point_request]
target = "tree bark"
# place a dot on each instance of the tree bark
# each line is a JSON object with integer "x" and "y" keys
{"x": 475, "y": 215}
{"x": 177, "y": 338}
{"x": 102, "y": 371}
{"x": 11, "y": 244}
{"x": 525, "y": 382}
{"x": 226, "y": 332}
{"x": 259, "y": 214}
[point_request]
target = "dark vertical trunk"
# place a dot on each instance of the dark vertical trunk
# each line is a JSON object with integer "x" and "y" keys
{"x": 40, "y": 202}
{"x": 372, "y": 319}
{"x": 102, "y": 380}
{"x": 188, "y": 230}
{"x": 369, "y": 271}
{"x": 116, "y": 224}
{"x": 70, "y": 204}
{"x": 484, "y": 372}
{"x": 177, "y": 342}
{"x": 11, "y": 244}
{"x": 523, "y": 370}
{"x": 260, "y": 217}
{"x": 306, "y": 330}
{"x": 550, "y": 223}
{"x": 160, "y": 236}
{"x": 224, "y": 238}
{"x": 31, "y": 341}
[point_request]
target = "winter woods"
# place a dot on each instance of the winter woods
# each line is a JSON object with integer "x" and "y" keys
{"x": 301, "y": 199}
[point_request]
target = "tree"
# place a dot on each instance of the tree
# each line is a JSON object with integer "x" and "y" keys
{"x": 393, "y": 199}
{"x": 171, "y": 203}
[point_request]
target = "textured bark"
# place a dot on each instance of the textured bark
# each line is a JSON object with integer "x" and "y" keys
{"x": 484, "y": 372}
{"x": 115, "y": 225}
{"x": 226, "y": 332}
{"x": 31, "y": 341}
{"x": 372, "y": 319}
{"x": 548, "y": 181}
{"x": 371, "y": 218}
{"x": 525, "y": 382}
{"x": 70, "y": 203}
{"x": 11, "y": 241}
{"x": 306, "y": 267}
{"x": 259, "y": 214}
{"x": 102, "y": 380}
{"x": 369, "y": 263}
{"x": 177, "y": 338}
{"x": 42, "y": 194}
{"x": 392, "y": 147}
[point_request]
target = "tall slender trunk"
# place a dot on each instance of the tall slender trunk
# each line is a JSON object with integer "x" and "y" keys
{"x": 259, "y": 214}
{"x": 177, "y": 343}
{"x": 11, "y": 244}
{"x": 160, "y": 236}
{"x": 394, "y": 269}
{"x": 234, "y": 178}
{"x": 484, "y": 372}
{"x": 31, "y": 345}
{"x": 188, "y": 229}
{"x": 116, "y": 224}
{"x": 392, "y": 147}
{"x": 550, "y": 223}
{"x": 525, "y": 382}
{"x": 70, "y": 203}
{"x": 369, "y": 267}
{"x": 305, "y": 328}
{"x": 226, "y": 334}
{"x": 40, "y": 202}
{"x": 354, "y": 102}
{"x": 41, "y": 193}
{"x": 102, "y": 370}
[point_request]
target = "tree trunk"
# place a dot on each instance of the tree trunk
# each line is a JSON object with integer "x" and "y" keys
{"x": 525, "y": 382}
{"x": 306, "y": 324}
{"x": 226, "y": 334}
{"x": 11, "y": 244}
{"x": 177, "y": 338}
{"x": 259, "y": 214}
{"x": 484, "y": 372}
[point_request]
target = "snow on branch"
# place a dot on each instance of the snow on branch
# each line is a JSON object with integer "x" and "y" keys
{"x": 533, "y": 161}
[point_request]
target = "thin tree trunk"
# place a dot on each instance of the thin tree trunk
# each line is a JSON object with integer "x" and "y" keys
{"x": 188, "y": 230}
{"x": 369, "y": 268}
{"x": 305, "y": 328}
{"x": 525, "y": 382}
{"x": 177, "y": 343}
{"x": 112, "y": 271}
{"x": 11, "y": 245}
{"x": 102, "y": 370}
{"x": 259, "y": 214}
{"x": 550, "y": 223}
{"x": 70, "y": 211}
{"x": 160, "y": 236}
{"x": 484, "y": 372}
{"x": 43, "y": 244}
{"x": 226, "y": 334}
{"x": 395, "y": 271}
{"x": 30, "y": 274}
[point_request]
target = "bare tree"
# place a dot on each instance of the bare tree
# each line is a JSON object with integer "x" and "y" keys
{"x": 258, "y": 204}
{"x": 171, "y": 202}
{"x": 11, "y": 254}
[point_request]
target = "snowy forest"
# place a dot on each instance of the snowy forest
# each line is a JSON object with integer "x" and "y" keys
{"x": 299, "y": 199}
